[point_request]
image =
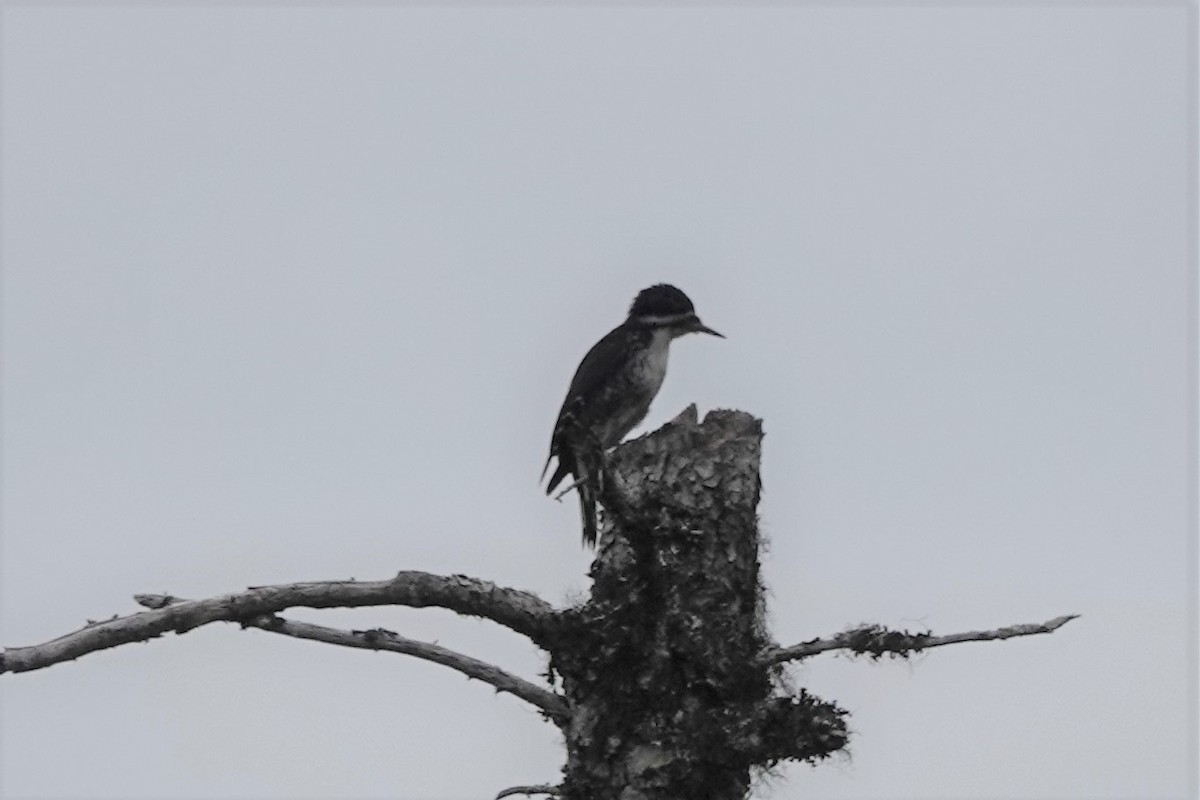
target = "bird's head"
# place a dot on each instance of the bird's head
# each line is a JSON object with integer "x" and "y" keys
{"x": 664, "y": 306}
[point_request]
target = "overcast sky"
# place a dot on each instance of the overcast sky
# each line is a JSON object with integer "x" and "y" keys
{"x": 294, "y": 293}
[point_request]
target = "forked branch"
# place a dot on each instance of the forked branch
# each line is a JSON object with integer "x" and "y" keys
{"x": 390, "y": 641}
{"x": 521, "y": 611}
{"x": 876, "y": 640}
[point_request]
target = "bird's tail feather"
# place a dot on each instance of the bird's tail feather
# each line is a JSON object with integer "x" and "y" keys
{"x": 587, "y": 477}
{"x": 587, "y": 510}
{"x": 580, "y": 467}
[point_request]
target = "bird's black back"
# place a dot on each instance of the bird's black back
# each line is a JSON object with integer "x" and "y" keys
{"x": 607, "y": 357}
{"x": 595, "y": 388}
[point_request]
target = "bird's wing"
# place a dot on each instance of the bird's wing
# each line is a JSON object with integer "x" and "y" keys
{"x": 604, "y": 359}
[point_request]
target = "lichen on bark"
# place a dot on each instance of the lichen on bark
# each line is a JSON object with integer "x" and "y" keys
{"x": 660, "y": 667}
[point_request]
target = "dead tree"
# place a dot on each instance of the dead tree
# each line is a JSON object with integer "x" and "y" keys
{"x": 665, "y": 683}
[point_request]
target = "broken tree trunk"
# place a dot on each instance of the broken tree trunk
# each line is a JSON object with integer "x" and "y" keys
{"x": 661, "y": 669}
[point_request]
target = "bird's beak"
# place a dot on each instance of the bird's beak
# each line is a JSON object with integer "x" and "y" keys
{"x": 702, "y": 328}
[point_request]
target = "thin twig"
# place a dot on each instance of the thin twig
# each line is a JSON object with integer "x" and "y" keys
{"x": 521, "y": 611}
{"x": 877, "y": 640}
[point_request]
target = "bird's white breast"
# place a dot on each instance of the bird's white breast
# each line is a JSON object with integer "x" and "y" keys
{"x": 643, "y": 377}
{"x": 651, "y": 367}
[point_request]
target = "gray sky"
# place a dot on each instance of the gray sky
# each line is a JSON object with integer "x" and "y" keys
{"x": 293, "y": 293}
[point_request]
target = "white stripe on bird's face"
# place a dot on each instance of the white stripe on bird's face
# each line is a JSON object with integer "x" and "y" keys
{"x": 665, "y": 320}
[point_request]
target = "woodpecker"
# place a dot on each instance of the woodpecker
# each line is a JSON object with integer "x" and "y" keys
{"x": 613, "y": 388}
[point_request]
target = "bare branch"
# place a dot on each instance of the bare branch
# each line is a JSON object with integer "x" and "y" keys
{"x": 876, "y": 640}
{"x": 523, "y": 612}
{"x": 382, "y": 639}
{"x": 554, "y": 791}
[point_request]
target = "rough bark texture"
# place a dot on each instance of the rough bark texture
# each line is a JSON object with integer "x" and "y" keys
{"x": 660, "y": 667}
